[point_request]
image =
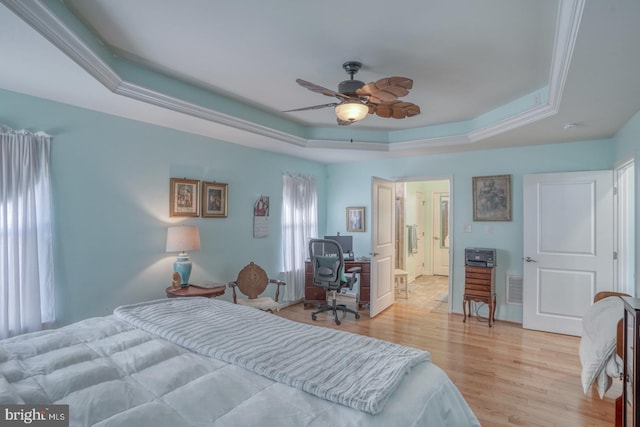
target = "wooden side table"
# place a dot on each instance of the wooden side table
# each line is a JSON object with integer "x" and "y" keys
{"x": 479, "y": 285}
{"x": 195, "y": 291}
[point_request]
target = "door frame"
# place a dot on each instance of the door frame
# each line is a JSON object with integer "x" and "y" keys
{"x": 450, "y": 179}
{"x": 421, "y": 222}
{"x": 624, "y": 211}
{"x": 435, "y": 212}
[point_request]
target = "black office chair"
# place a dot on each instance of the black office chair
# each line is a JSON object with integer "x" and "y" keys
{"x": 327, "y": 260}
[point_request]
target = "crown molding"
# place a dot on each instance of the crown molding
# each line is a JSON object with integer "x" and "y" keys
{"x": 164, "y": 101}
{"x": 42, "y": 19}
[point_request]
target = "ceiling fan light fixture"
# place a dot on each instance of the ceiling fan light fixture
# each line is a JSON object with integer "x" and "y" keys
{"x": 352, "y": 111}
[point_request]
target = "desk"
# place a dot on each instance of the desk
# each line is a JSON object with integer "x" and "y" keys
{"x": 315, "y": 295}
{"x": 195, "y": 291}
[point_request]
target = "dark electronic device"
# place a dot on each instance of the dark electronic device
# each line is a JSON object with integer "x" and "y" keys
{"x": 346, "y": 242}
{"x": 480, "y": 257}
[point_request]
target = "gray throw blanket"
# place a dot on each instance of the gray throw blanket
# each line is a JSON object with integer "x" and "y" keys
{"x": 353, "y": 370}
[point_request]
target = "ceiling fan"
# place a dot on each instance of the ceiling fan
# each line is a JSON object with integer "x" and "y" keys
{"x": 358, "y": 99}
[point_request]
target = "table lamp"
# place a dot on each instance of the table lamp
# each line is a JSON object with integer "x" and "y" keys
{"x": 182, "y": 239}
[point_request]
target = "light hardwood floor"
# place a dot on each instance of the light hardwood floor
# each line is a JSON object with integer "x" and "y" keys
{"x": 509, "y": 376}
{"x": 427, "y": 292}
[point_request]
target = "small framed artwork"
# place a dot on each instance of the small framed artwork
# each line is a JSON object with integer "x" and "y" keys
{"x": 214, "y": 199}
{"x": 355, "y": 219}
{"x": 184, "y": 197}
{"x": 492, "y": 198}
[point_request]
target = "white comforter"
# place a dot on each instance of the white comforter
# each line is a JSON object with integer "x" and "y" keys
{"x": 113, "y": 374}
{"x": 353, "y": 370}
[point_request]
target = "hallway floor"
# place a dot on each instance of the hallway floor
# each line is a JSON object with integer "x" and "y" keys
{"x": 426, "y": 292}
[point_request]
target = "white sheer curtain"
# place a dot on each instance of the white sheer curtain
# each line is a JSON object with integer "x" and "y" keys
{"x": 26, "y": 250}
{"x": 299, "y": 224}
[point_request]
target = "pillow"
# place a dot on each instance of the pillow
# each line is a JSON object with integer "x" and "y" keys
{"x": 598, "y": 342}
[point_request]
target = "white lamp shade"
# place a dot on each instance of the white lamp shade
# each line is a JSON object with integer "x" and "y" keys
{"x": 352, "y": 111}
{"x": 183, "y": 238}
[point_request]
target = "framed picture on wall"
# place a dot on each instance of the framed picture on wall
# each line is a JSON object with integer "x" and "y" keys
{"x": 214, "y": 199}
{"x": 492, "y": 198}
{"x": 184, "y": 197}
{"x": 355, "y": 219}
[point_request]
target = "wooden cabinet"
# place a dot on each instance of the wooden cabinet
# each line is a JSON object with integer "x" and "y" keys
{"x": 631, "y": 359}
{"x": 315, "y": 295}
{"x": 479, "y": 285}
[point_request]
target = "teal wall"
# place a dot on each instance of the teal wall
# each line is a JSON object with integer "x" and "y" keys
{"x": 110, "y": 181}
{"x": 627, "y": 140}
{"x": 111, "y": 190}
{"x": 506, "y": 237}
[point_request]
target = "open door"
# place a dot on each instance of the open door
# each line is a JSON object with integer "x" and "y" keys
{"x": 382, "y": 244}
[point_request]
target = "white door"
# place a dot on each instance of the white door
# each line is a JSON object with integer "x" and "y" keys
{"x": 382, "y": 242}
{"x": 568, "y": 247}
{"x": 440, "y": 231}
{"x": 421, "y": 219}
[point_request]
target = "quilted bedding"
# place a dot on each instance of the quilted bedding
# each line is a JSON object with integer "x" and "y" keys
{"x": 114, "y": 374}
{"x": 353, "y": 370}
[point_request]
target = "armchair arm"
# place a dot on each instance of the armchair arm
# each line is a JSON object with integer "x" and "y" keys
{"x": 233, "y": 285}
{"x": 278, "y": 283}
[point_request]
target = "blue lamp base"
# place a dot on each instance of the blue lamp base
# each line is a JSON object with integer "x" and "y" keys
{"x": 182, "y": 266}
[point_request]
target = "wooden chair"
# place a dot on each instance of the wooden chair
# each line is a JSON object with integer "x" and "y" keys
{"x": 252, "y": 282}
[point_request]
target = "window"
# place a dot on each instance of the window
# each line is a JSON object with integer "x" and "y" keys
{"x": 26, "y": 250}
{"x": 299, "y": 224}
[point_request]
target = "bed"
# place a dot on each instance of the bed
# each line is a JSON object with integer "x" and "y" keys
{"x": 207, "y": 362}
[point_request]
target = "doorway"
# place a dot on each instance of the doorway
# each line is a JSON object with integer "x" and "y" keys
{"x": 423, "y": 214}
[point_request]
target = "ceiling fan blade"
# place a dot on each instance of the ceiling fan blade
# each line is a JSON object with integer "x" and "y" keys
{"x": 343, "y": 122}
{"x": 395, "y": 110}
{"x": 315, "y": 107}
{"x": 319, "y": 89}
{"x": 387, "y": 89}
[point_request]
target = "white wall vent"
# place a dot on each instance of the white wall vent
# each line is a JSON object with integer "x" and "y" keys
{"x": 514, "y": 289}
